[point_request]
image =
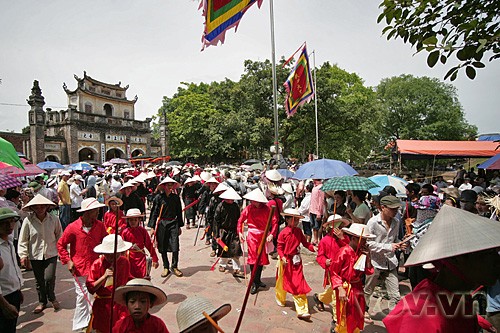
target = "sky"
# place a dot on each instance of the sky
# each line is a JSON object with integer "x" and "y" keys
{"x": 153, "y": 46}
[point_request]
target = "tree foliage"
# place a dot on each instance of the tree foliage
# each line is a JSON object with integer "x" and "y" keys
{"x": 233, "y": 120}
{"x": 422, "y": 109}
{"x": 468, "y": 29}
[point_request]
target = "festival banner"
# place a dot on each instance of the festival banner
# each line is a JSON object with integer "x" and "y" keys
{"x": 222, "y": 15}
{"x": 299, "y": 85}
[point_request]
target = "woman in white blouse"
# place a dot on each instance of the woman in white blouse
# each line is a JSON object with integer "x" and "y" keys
{"x": 38, "y": 244}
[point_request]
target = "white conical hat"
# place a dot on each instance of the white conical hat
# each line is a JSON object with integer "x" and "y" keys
{"x": 196, "y": 178}
{"x": 150, "y": 175}
{"x": 230, "y": 194}
{"x": 287, "y": 187}
{"x": 220, "y": 188}
{"x": 167, "y": 179}
{"x": 455, "y": 232}
{"x": 256, "y": 195}
{"x": 358, "y": 229}
{"x": 212, "y": 180}
{"x": 205, "y": 175}
{"x": 273, "y": 175}
{"x": 38, "y": 200}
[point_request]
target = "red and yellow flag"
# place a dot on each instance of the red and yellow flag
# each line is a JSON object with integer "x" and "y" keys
{"x": 221, "y": 15}
{"x": 299, "y": 85}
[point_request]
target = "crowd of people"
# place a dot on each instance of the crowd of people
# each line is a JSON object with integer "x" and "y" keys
{"x": 109, "y": 228}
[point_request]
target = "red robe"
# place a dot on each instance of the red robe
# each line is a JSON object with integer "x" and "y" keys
{"x": 342, "y": 271}
{"x": 421, "y": 311}
{"x": 289, "y": 241}
{"x": 256, "y": 218}
{"x": 140, "y": 237}
{"x": 101, "y": 308}
{"x": 109, "y": 220}
{"x": 151, "y": 324}
{"x": 328, "y": 248}
{"x": 276, "y": 217}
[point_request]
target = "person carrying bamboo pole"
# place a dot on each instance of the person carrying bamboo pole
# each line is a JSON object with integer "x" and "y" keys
{"x": 168, "y": 224}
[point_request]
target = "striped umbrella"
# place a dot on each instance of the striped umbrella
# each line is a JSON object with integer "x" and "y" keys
{"x": 7, "y": 181}
{"x": 344, "y": 183}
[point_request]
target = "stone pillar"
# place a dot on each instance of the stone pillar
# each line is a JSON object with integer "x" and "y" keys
{"x": 36, "y": 117}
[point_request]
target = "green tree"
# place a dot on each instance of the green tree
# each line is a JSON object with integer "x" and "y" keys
{"x": 422, "y": 109}
{"x": 467, "y": 28}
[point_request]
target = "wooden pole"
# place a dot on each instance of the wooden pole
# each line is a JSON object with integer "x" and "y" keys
{"x": 259, "y": 253}
{"x": 114, "y": 271}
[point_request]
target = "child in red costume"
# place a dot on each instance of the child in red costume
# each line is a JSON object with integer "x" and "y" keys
{"x": 328, "y": 248}
{"x": 140, "y": 239}
{"x": 100, "y": 281}
{"x": 109, "y": 218}
{"x": 347, "y": 270}
{"x": 289, "y": 275}
{"x": 139, "y": 295}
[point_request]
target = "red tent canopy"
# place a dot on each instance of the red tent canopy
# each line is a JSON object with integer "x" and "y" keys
{"x": 414, "y": 149}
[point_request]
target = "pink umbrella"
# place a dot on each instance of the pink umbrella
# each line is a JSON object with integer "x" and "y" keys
{"x": 29, "y": 170}
{"x": 8, "y": 182}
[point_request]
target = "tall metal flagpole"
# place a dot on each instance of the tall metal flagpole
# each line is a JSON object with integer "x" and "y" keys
{"x": 316, "y": 103}
{"x": 275, "y": 89}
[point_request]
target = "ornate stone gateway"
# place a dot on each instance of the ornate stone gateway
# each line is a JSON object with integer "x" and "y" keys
{"x": 98, "y": 125}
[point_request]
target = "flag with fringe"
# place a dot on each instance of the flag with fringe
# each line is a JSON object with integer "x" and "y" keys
{"x": 299, "y": 85}
{"x": 222, "y": 15}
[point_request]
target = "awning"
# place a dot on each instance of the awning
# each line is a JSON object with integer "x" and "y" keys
{"x": 418, "y": 149}
{"x": 491, "y": 164}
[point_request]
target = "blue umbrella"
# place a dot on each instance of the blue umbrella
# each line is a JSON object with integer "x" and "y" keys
{"x": 50, "y": 165}
{"x": 285, "y": 173}
{"x": 384, "y": 180}
{"x": 81, "y": 166}
{"x": 324, "y": 169}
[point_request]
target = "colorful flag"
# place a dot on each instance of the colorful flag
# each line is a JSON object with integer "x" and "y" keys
{"x": 299, "y": 85}
{"x": 221, "y": 15}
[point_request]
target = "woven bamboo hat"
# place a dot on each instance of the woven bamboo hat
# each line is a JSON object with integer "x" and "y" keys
{"x": 115, "y": 199}
{"x": 256, "y": 195}
{"x": 292, "y": 212}
{"x": 359, "y": 230}
{"x": 273, "y": 175}
{"x": 108, "y": 245}
{"x": 38, "y": 200}
{"x": 230, "y": 194}
{"x": 220, "y": 188}
{"x": 133, "y": 212}
{"x": 140, "y": 285}
{"x": 454, "y": 232}
{"x": 90, "y": 204}
{"x": 190, "y": 316}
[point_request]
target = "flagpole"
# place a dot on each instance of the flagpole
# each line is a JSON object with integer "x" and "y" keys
{"x": 275, "y": 90}
{"x": 316, "y": 103}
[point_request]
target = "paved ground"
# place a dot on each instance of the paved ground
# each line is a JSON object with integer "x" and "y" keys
{"x": 262, "y": 313}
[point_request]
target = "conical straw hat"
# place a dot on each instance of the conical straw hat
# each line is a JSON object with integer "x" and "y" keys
{"x": 220, "y": 188}
{"x": 38, "y": 200}
{"x": 455, "y": 232}
{"x": 230, "y": 194}
{"x": 256, "y": 195}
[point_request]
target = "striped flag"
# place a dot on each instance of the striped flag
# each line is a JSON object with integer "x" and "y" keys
{"x": 221, "y": 15}
{"x": 299, "y": 85}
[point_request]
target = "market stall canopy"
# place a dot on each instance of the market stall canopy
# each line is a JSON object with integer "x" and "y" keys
{"x": 421, "y": 149}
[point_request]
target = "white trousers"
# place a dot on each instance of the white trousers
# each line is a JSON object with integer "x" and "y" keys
{"x": 83, "y": 309}
{"x": 235, "y": 260}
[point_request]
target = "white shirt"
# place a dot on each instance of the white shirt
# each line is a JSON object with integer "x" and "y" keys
{"x": 38, "y": 239}
{"x": 381, "y": 246}
{"x": 10, "y": 275}
{"x": 465, "y": 186}
{"x": 304, "y": 207}
{"x": 75, "y": 193}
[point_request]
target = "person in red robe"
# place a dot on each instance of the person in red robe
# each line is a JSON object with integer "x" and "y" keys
{"x": 347, "y": 269}
{"x": 290, "y": 275}
{"x": 139, "y": 295}
{"x": 463, "y": 249}
{"x": 140, "y": 239}
{"x": 328, "y": 248}
{"x": 256, "y": 215}
{"x": 100, "y": 281}
{"x": 109, "y": 218}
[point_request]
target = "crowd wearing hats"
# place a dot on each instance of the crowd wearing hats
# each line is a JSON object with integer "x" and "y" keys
{"x": 94, "y": 223}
